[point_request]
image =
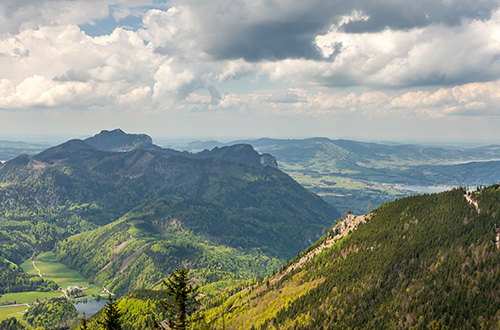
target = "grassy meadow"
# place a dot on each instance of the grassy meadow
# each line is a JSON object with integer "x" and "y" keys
{"x": 14, "y": 311}
{"x": 53, "y": 270}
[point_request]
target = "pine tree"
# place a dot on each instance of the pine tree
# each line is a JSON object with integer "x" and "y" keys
{"x": 182, "y": 301}
{"x": 83, "y": 322}
{"x": 111, "y": 316}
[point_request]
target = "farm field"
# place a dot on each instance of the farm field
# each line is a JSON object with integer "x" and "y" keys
{"x": 346, "y": 193}
{"x": 51, "y": 269}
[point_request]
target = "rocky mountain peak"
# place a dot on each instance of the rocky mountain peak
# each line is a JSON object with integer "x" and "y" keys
{"x": 268, "y": 160}
{"x": 119, "y": 141}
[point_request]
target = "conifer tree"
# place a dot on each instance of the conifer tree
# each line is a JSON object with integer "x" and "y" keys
{"x": 83, "y": 322}
{"x": 182, "y": 301}
{"x": 111, "y": 316}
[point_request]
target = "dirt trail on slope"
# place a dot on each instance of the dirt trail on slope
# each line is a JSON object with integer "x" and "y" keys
{"x": 119, "y": 247}
{"x": 39, "y": 272}
{"x": 470, "y": 200}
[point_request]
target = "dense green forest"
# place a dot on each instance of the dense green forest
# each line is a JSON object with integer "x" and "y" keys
{"x": 57, "y": 313}
{"x": 418, "y": 262}
{"x": 11, "y": 324}
{"x": 159, "y": 236}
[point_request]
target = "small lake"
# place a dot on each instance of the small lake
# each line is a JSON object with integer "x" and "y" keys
{"x": 425, "y": 189}
{"x": 90, "y": 307}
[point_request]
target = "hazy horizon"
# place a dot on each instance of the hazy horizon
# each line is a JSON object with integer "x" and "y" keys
{"x": 176, "y": 141}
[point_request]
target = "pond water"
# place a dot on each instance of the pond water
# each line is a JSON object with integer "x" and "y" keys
{"x": 90, "y": 307}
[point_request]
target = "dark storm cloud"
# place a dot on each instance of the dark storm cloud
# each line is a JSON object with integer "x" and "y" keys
{"x": 401, "y": 15}
{"x": 267, "y": 31}
{"x": 287, "y": 29}
{"x": 269, "y": 41}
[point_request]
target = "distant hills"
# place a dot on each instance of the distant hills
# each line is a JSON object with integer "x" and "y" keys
{"x": 229, "y": 203}
{"x": 361, "y": 176}
{"x": 12, "y": 149}
{"x": 296, "y": 150}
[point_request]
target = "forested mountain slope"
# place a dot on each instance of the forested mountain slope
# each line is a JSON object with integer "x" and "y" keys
{"x": 419, "y": 262}
{"x": 221, "y": 245}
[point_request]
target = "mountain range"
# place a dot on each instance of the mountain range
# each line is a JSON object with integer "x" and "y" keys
{"x": 147, "y": 210}
{"x": 350, "y": 175}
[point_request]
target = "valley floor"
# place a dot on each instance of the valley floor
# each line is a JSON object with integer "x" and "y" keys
{"x": 46, "y": 266}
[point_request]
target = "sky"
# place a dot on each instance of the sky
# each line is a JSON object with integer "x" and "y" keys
{"x": 393, "y": 70}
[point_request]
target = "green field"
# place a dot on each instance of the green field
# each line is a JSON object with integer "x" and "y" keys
{"x": 53, "y": 270}
{"x": 27, "y": 297}
{"x": 8, "y": 312}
